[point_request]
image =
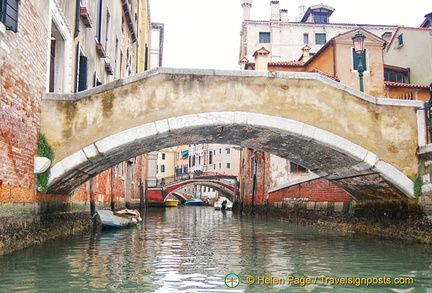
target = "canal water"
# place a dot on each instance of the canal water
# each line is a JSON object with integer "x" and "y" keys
{"x": 198, "y": 249}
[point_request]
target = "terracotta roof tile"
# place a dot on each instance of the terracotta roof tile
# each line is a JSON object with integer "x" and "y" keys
{"x": 406, "y": 85}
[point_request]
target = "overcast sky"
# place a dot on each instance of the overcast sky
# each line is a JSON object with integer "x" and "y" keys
{"x": 206, "y": 33}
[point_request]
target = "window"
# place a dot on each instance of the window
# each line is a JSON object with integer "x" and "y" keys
{"x": 82, "y": 68}
{"x": 320, "y": 39}
{"x": 320, "y": 18}
{"x": 400, "y": 40}
{"x": 228, "y": 150}
{"x": 264, "y": 37}
{"x": 305, "y": 39}
{"x": 210, "y": 157}
{"x": 96, "y": 80}
{"x": 356, "y": 60}
{"x": 163, "y": 168}
{"x": 163, "y": 156}
{"x": 228, "y": 165}
{"x": 99, "y": 22}
{"x": 295, "y": 168}
{"x": 9, "y": 14}
{"x": 396, "y": 76}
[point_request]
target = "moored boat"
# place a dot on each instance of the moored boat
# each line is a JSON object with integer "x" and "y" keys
{"x": 223, "y": 203}
{"x": 119, "y": 219}
{"x": 171, "y": 203}
{"x": 194, "y": 202}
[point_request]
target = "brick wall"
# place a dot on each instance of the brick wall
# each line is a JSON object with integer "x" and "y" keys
{"x": 23, "y": 57}
{"x": 262, "y": 176}
{"x": 319, "y": 190}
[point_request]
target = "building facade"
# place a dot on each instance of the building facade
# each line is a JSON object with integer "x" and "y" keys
{"x": 285, "y": 39}
{"x": 408, "y": 56}
{"x": 61, "y": 46}
{"x": 214, "y": 158}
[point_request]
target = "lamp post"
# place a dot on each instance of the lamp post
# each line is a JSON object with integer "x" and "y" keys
{"x": 358, "y": 41}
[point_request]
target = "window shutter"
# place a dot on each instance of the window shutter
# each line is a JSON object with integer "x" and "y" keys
{"x": 82, "y": 84}
{"x": 9, "y": 14}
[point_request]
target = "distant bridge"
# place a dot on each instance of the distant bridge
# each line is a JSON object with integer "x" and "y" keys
{"x": 227, "y": 190}
{"x": 366, "y": 145}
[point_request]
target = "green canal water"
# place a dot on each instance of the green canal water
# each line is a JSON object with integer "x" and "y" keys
{"x": 198, "y": 249}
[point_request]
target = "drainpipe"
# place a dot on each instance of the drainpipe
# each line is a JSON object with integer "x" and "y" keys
{"x": 77, "y": 18}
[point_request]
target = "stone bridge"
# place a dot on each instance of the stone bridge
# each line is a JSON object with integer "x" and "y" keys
{"x": 366, "y": 145}
{"x": 227, "y": 190}
{"x": 156, "y": 195}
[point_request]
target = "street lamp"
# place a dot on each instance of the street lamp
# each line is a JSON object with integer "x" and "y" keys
{"x": 358, "y": 41}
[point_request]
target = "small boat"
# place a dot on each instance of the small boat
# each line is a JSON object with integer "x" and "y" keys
{"x": 194, "y": 202}
{"x": 119, "y": 219}
{"x": 220, "y": 203}
{"x": 171, "y": 203}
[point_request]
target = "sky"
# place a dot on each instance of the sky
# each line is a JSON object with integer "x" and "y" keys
{"x": 206, "y": 34}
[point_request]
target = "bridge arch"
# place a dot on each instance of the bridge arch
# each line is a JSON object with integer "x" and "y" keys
{"x": 224, "y": 188}
{"x": 349, "y": 165}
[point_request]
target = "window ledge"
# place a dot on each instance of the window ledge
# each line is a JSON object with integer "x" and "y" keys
{"x": 85, "y": 16}
{"x": 2, "y": 28}
{"x": 100, "y": 50}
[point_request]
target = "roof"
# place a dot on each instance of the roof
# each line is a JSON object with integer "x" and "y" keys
{"x": 396, "y": 68}
{"x": 287, "y": 63}
{"x": 266, "y": 22}
{"x": 332, "y": 40}
{"x": 317, "y": 8}
{"x": 404, "y": 85}
{"x": 428, "y": 20}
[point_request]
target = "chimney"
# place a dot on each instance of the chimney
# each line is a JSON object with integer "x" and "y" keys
{"x": 284, "y": 15}
{"x": 274, "y": 10}
{"x": 301, "y": 11}
{"x": 306, "y": 53}
{"x": 247, "y": 5}
{"x": 243, "y": 61}
{"x": 261, "y": 59}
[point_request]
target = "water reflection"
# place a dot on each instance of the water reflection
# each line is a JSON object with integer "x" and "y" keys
{"x": 192, "y": 249}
